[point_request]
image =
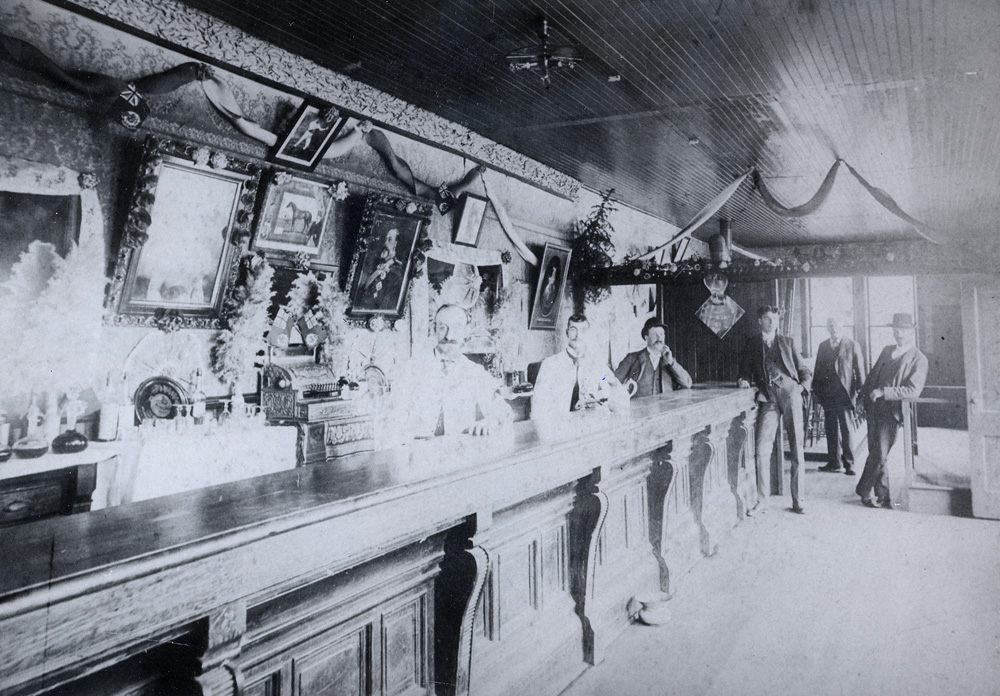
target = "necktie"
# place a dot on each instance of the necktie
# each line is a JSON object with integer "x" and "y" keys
{"x": 575, "y": 398}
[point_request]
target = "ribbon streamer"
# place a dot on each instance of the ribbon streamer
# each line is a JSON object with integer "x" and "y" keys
{"x": 810, "y": 206}
{"x": 889, "y": 204}
{"x": 703, "y": 215}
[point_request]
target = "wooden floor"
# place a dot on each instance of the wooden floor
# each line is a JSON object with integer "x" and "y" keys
{"x": 843, "y": 600}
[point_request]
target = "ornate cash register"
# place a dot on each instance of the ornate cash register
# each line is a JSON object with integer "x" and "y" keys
{"x": 334, "y": 416}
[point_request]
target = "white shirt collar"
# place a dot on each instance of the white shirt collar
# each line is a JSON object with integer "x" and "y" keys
{"x": 769, "y": 339}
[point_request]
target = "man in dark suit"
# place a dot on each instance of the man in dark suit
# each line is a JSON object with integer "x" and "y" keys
{"x": 899, "y": 373}
{"x": 771, "y": 364}
{"x": 653, "y": 367}
{"x": 838, "y": 377}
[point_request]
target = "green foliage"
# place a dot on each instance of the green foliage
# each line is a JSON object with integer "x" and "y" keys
{"x": 592, "y": 254}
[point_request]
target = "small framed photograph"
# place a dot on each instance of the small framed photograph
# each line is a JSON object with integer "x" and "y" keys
{"x": 551, "y": 285}
{"x": 471, "y": 212}
{"x": 310, "y": 135}
{"x": 296, "y": 215}
{"x": 383, "y": 260}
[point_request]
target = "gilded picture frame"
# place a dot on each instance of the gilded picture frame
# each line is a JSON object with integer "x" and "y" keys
{"x": 187, "y": 226}
{"x": 385, "y": 255}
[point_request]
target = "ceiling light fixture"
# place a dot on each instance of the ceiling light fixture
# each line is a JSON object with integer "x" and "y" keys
{"x": 544, "y": 58}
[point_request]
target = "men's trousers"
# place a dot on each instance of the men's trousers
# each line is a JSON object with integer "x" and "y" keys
{"x": 784, "y": 404}
{"x": 882, "y": 431}
{"x": 839, "y": 435}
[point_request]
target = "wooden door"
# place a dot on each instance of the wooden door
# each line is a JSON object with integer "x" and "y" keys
{"x": 981, "y": 328}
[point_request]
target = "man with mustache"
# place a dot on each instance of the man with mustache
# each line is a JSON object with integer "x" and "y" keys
{"x": 442, "y": 392}
{"x": 653, "y": 367}
{"x": 572, "y": 380}
{"x": 771, "y": 364}
{"x": 899, "y": 373}
{"x": 838, "y": 377}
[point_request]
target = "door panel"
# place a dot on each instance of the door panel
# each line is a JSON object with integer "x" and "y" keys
{"x": 981, "y": 327}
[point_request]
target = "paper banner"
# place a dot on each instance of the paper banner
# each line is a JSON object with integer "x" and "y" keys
{"x": 703, "y": 215}
{"x": 810, "y": 206}
{"x": 889, "y": 204}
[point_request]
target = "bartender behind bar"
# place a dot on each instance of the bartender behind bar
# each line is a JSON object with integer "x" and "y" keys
{"x": 653, "y": 367}
{"x": 442, "y": 392}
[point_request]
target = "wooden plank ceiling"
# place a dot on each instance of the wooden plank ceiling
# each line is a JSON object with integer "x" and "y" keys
{"x": 675, "y": 98}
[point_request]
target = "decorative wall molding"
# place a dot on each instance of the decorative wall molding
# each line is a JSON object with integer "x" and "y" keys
{"x": 882, "y": 258}
{"x": 207, "y": 36}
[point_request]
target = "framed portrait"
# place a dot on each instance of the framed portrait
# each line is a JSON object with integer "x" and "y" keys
{"x": 188, "y": 223}
{"x": 297, "y": 216}
{"x": 471, "y": 212}
{"x": 550, "y": 288}
{"x": 383, "y": 260}
{"x": 306, "y": 141}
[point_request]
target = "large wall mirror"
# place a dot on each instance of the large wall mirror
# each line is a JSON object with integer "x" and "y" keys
{"x": 189, "y": 218}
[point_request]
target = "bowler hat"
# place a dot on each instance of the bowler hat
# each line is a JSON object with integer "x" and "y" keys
{"x": 652, "y": 323}
{"x": 902, "y": 320}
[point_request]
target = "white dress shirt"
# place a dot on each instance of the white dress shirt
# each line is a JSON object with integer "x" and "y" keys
{"x": 433, "y": 396}
{"x": 557, "y": 377}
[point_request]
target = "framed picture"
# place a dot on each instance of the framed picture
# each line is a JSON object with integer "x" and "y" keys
{"x": 188, "y": 223}
{"x": 471, "y": 212}
{"x": 297, "y": 215}
{"x": 311, "y": 133}
{"x": 551, "y": 285}
{"x": 383, "y": 260}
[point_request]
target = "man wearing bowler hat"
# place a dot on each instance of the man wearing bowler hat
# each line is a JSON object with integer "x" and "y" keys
{"x": 899, "y": 373}
{"x": 653, "y": 367}
{"x": 771, "y": 364}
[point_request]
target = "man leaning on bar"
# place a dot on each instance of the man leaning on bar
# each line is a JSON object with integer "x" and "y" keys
{"x": 771, "y": 364}
{"x": 654, "y": 367}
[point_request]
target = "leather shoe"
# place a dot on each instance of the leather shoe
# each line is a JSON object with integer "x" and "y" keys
{"x": 886, "y": 503}
{"x": 849, "y": 471}
{"x": 798, "y": 510}
{"x": 868, "y": 502}
{"x": 830, "y": 468}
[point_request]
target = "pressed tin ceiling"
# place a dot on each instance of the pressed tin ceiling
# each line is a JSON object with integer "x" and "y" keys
{"x": 676, "y": 98}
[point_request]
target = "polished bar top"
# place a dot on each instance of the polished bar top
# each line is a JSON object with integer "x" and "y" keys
{"x": 79, "y": 592}
{"x": 200, "y": 523}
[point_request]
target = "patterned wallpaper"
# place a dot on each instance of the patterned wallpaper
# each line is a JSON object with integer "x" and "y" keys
{"x": 207, "y": 36}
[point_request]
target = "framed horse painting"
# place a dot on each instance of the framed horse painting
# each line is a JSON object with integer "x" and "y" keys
{"x": 297, "y": 217}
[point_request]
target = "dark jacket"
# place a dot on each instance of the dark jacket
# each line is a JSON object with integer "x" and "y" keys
{"x": 638, "y": 366}
{"x": 752, "y": 367}
{"x": 906, "y": 381}
{"x": 839, "y": 389}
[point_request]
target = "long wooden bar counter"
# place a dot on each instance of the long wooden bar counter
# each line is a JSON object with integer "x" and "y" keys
{"x": 469, "y": 566}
